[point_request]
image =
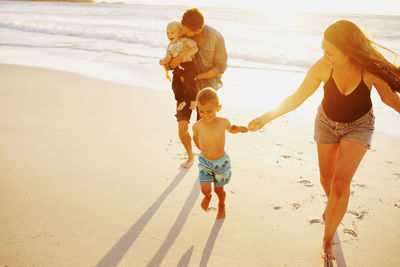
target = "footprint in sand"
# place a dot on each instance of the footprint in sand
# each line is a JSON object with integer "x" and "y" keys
{"x": 306, "y": 183}
{"x": 350, "y": 232}
{"x": 296, "y": 205}
{"x": 360, "y": 185}
{"x": 315, "y": 220}
{"x": 359, "y": 215}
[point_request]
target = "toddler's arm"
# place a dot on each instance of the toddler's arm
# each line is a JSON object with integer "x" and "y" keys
{"x": 167, "y": 59}
{"x": 235, "y": 129}
{"x": 189, "y": 49}
{"x": 238, "y": 129}
{"x": 196, "y": 135}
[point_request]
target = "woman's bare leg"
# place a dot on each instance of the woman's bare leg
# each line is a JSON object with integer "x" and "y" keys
{"x": 327, "y": 158}
{"x": 350, "y": 156}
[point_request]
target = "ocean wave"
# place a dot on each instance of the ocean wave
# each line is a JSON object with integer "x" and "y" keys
{"x": 135, "y": 36}
{"x": 234, "y": 62}
{"x": 135, "y": 42}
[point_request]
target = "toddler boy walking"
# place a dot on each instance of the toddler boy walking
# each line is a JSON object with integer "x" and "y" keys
{"x": 209, "y": 137}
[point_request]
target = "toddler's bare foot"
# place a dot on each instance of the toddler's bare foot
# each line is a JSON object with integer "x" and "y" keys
{"x": 188, "y": 163}
{"x": 192, "y": 105}
{"x": 221, "y": 211}
{"x": 181, "y": 105}
{"x": 205, "y": 202}
{"x": 327, "y": 252}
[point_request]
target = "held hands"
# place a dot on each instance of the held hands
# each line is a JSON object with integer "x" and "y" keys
{"x": 239, "y": 129}
{"x": 242, "y": 129}
{"x": 257, "y": 124}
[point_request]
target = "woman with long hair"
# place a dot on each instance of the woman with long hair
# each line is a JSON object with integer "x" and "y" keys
{"x": 344, "y": 124}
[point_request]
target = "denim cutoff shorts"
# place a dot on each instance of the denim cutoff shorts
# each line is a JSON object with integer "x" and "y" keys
{"x": 327, "y": 131}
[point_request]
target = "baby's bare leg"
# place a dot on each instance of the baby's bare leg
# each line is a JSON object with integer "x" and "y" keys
{"x": 181, "y": 105}
{"x": 206, "y": 190}
{"x": 192, "y": 105}
{"x": 221, "y": 204}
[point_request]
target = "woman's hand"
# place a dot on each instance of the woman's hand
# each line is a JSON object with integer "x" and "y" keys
{"x": 257, "y": 124}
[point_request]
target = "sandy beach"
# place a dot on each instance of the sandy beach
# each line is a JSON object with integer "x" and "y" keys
{"x": 89, "y": 176}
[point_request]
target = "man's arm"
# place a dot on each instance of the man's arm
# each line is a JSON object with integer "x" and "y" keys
{"x": 191, "y": 51}
{"x": 206, "y": 75}
{"x": 220, "y": 61}
{"x": 176, "y": 61}
{"x": 220, "y": 56}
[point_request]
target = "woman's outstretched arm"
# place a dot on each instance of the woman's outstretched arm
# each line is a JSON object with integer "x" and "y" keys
{"x": 309, "y": 85}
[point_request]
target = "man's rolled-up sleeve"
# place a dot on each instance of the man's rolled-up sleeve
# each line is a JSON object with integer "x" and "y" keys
{"x": 220, "y": 57}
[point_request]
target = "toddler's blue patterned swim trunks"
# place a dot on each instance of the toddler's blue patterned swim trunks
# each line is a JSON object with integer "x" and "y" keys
{"x": 215, "y": 171}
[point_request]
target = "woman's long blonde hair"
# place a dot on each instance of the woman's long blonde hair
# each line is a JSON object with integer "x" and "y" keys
{"x": 349, "y": 38}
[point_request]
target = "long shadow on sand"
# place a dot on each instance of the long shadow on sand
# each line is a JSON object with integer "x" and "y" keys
{"x": 177, "y": 227}
{"x": 210, "y": 242}
{"x": 184, "y": 261}
{"x": 117, "y": 252}
{"x": 337, "y": 248}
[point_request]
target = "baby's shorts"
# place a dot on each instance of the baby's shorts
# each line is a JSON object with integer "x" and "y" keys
{"x": 216, "y": 171}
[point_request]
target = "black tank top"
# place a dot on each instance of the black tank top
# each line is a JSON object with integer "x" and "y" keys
{"x": 341, "y": 108}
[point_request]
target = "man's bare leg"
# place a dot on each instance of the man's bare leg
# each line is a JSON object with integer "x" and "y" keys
{"x": 186, "y": 139}
{"x": 206, "y": 190}
{"x": 221, "y": 204}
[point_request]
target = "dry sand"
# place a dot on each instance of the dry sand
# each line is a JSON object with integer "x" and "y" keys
{"x": 89, "y": 175}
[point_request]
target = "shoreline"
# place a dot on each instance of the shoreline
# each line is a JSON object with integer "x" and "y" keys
{"x": 234, "y": 92}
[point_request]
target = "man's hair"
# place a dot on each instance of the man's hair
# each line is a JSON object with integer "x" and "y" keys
{"x": 193, "y": 19}
{"x": 206, "y": 95}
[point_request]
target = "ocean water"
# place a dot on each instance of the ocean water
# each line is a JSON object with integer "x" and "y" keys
{"x": 124, "y": 42}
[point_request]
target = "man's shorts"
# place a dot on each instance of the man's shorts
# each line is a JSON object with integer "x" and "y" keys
{"x": 185, "y": 113}
{"x": 327, "y": 131}
{"x": 215, "y": 171}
